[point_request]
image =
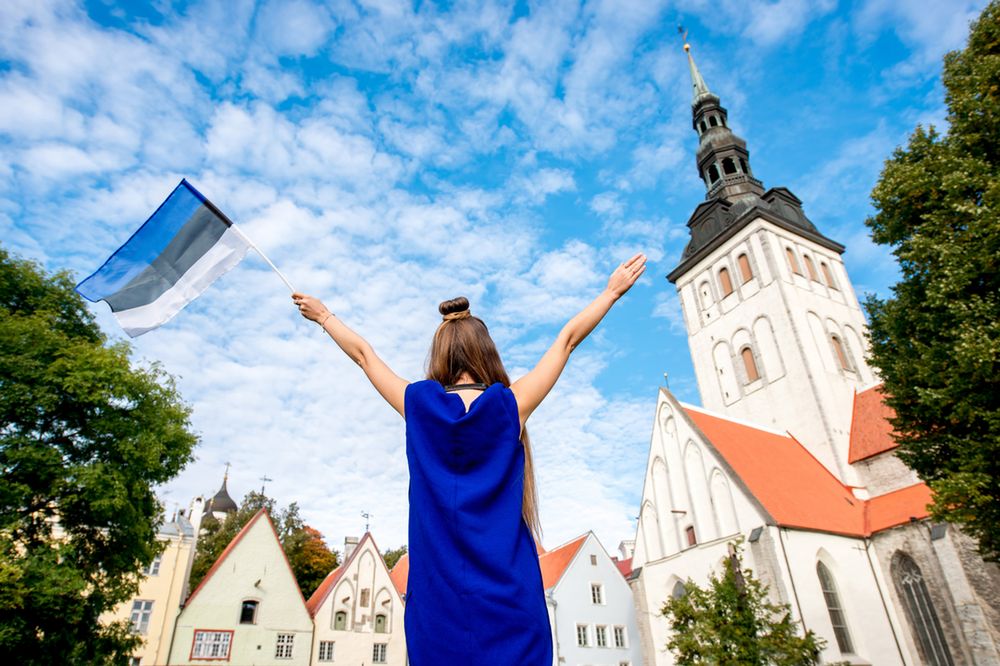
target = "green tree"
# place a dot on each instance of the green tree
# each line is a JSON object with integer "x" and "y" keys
{"x": 390, "y": 557}
{"x": 732, "y": 622}
{"x": 936, "y": 341}
{"x": 85, "y": 435}
{"x": 307, "y": 553}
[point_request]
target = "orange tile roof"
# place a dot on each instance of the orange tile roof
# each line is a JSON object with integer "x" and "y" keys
{"x": 795, "y": 489}
{"x": 400, "y": 574}
{"x": 625, "y": 566}
{"x": 232, "y": 544}
{"x": 871, "y": 432}
{"x": 324, "y": 589}
{"x": 554, "y": 562}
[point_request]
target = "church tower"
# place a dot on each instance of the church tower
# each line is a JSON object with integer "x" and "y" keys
{"x": 774, "y": 326}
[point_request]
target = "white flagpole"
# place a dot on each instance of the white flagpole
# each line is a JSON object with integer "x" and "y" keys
{"x": 264, "y": 257}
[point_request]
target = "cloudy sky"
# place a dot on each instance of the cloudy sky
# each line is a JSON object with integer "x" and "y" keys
{"x": 390, "y": 154}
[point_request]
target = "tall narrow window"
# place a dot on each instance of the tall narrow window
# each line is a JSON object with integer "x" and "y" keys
{"x": 750, "y": 365}
{"x": 746, "y": 273}
{"x": 365, "y": 597}
{"x": 141, "y": 611}
{"x": 582, "y": 637}
{"x": 248, "y": 612}
{"x": 596, "y": 593}
{"x": 601, "y": 636}
{"x": 380, "y": 624}
{"x": 837, "y": 618}
{"x": 920, "y": 610}
{"x": 838, "y": 347}
{"x": 379, "y": 653}
{"x": 703, "y": 127}
{"x": 793, "y": 263}
{"x": 340, "y": 620}
{"x": 691, "y": 538}
{"x": 725, "y": 282}
{"x": 828, "y": 275}
{"x": 619, "y": 637}
{"x": 326, "y": 650}
{"x": 678, "y": 590}
{"x": 713, "y": 121}
{"x": 743, "y": 163}
{"x": 713, "y": 173}
{"x": 811, "y": 267}
{"x": 728, "y": 166}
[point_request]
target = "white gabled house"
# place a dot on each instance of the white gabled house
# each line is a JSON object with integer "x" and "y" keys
{"x": 590, "y": 604}
{"x": 248, "y": 609}
{"x": 357, "y": 611}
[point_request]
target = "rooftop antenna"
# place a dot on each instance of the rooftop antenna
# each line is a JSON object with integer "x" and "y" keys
{"x": 263, "y": 480}
{"x": 366, "y": 516}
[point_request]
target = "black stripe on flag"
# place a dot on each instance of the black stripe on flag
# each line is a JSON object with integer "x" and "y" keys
{"x": 198, "y": 235}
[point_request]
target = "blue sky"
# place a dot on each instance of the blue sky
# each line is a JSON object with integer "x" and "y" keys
{"x": 389, "y": 155}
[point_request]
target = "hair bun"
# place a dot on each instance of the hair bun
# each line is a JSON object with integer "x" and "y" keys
{"x": 454, "y": 306}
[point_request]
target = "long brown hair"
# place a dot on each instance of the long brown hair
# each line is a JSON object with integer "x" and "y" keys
{"x": 463, "y": 345}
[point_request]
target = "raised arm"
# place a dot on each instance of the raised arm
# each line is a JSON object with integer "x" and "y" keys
{"x": 531, "y": 389}
{"x": 390, "y": 386}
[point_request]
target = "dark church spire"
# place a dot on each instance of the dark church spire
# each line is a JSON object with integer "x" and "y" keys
{"x": 723, "y": 159}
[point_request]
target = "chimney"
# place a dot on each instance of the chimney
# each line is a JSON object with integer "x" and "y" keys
{"x": 350, "y": 543}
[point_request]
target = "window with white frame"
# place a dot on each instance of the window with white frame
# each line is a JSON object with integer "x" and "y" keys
{"x": 283, "y": 647}
{"x": 619, "y": 637}
{"x": 154, "y": 567}
{"x": 211, "y": 644}
{"x": 141, "y": 611}
{"x": 135, "y": 661}
{"x": 596, "y": 593}
{"x": 378, "y": 653}
{"x": 582, "y": 636}
{"x": 326, "y": 650}
{"x": 601, "y": 636}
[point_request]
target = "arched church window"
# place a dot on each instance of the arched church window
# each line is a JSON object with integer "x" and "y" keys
{"x": 919, "y": 607}
{"x": 340, "y": 620}
{"x": 678, "y": 590}
{"x": 725, "y": 282}
{"x": 749, "y": 364}
{"x": 793, "y": 263}
{"x": 837, "y": 618}
{"x": 706, "y": 295}
{"x": 743, "y": 165}
{"x": 713, "y": 121}
{"x": 703, "y": 127}
{"x": 728, "y": 166}
{"x": 828, "y": 275}
{"x": 838, "y": 347}
{"x": 380, "y": 624}
{"x": 811, "y": 267}
{"x": 745, "y": 271}
{"x": 691, "y": 538}
{"x": 713, "y": 173}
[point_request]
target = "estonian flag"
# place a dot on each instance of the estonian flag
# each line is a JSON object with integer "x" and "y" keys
{"x": 174, "y": 256}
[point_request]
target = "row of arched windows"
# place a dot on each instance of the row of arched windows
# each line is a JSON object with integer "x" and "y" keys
{"x": 712, "y": 174}
{"x": 711, "y": 121}
{"x": 793, "y": 263}
{"x": 746, "y": 274}
{"x": 381, "y": 622}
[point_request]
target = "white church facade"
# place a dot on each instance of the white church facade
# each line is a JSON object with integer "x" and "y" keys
{"x": 792, "y": 451}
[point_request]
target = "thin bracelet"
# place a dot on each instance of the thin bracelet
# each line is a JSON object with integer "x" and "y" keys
{"x": 328, "y": 315}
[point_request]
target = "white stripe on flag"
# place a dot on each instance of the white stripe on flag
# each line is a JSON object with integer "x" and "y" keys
{"x": 228, "y": 251}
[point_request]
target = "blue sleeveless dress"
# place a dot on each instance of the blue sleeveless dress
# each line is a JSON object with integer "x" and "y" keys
{"x": 474, "y": 593}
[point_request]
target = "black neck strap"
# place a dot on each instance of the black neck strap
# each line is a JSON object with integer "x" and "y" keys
{"x": 463, "y": 387}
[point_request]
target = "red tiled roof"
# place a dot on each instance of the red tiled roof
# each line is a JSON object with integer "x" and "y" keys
{"x": 795, "y": 489}
{"x": 324, "y": 589}
{"x": 232, "y": 544}
{"x": 554, "y": 562}
{"x": 625, "y": 566}
{"x": 400, "y": 574}
{"x": 871, "y": 432}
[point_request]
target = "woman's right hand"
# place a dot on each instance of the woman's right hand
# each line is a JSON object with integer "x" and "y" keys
{"x": 625, "y": 275}
{"x": 310, "y": 308}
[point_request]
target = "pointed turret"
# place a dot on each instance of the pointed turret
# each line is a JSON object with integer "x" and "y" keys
{"x": 221, "y": 503}
{"x": 697, "y": 82}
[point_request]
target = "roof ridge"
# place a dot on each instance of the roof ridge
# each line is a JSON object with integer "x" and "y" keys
{"x": 742, "y": 422}
{"x": 225, "y": 553}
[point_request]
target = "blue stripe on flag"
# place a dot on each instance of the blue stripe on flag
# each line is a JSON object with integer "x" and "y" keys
{"x": 145, "y": 245}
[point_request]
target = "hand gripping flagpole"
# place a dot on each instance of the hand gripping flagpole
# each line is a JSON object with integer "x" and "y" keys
{"x": 264, "y": 257}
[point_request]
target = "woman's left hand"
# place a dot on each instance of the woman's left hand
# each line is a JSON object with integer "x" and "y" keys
{"x": 309, "y": 307}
